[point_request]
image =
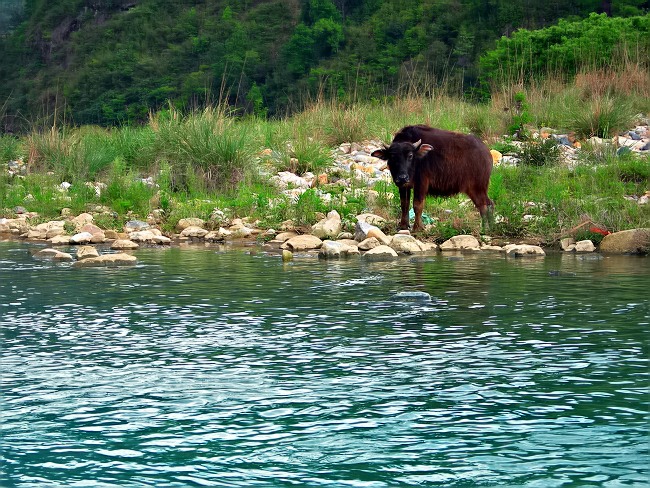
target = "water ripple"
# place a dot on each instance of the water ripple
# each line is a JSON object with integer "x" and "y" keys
{"x": 195, "y": 369}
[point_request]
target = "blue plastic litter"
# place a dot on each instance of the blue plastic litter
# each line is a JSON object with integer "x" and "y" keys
{"x": 426, "y": 219}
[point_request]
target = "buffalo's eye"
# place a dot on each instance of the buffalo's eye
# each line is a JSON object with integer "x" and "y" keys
{"x": 410, "y": 156}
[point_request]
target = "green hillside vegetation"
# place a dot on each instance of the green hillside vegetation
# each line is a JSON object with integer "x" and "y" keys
{"x": 110, "y": 62}
{"x": 204, "y": 101}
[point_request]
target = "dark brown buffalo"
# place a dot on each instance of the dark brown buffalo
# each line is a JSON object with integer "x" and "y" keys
{"x": 440, "y": 163}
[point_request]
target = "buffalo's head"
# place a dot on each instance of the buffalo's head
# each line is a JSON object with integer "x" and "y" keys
{"x": 402, "y": 158}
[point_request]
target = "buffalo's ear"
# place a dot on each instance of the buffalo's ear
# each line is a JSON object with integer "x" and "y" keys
{"x": 423, "y": 149}
{"x": 380, "y": 153}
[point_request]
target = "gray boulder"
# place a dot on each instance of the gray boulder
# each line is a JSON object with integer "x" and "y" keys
{"x": 634, "y": 241}
{"x": 135, "y": 225}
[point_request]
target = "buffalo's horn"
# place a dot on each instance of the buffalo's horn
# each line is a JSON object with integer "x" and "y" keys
{"x": 417, "y": 144}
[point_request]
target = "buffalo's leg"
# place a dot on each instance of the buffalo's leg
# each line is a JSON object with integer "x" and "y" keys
{"x": 418, "y": 207}
{"x": 405, "y": 202}
{"x": 485, "y": 206}
{"x": 486, "y": 209}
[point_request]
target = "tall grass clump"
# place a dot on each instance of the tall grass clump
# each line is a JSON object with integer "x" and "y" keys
{"x": 346, "y": 124}
{"x": 10, "y": 148}
{"x": 602, "y": 117}
{"x": 51, "y": 150}
{"x": 214, "y": 146}
{"x": 72, "y": 153}
{"x": 136, "y": 146}
{"x": 125, "y": 192}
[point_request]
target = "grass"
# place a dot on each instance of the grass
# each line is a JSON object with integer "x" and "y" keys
{"x": 205, "y": 160}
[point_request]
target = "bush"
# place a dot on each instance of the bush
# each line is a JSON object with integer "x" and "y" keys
{"x": 569, "y": 47}
{"x": 540, "y": 153}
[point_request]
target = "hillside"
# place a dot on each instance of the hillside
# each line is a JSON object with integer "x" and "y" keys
{"x": 110, "y": 62}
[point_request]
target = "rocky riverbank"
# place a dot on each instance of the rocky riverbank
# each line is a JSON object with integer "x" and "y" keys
{"x": 353, "y": 172}
{"x": 327, "y": 239}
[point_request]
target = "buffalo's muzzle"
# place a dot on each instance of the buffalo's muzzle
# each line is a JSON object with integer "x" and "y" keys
{"x": 402, "y": 180}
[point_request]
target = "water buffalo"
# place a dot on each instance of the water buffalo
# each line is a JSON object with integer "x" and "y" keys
{"x": 441, "y": 163}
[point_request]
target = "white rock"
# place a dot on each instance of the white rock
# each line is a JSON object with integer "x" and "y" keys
{"x": 302, "y": 243}
{"x": 60, "y": 240}
{"x": 405, "y": 243}
{"x": 242, "y": 231}
{"x": 118, "y": 259}
{"x": 585, "y": 246}
{"x": 189, "y": 222}
{"x": 369, "y": 243}
{"x": 81, "y": 238}
{"x": 372, "y": 219}
{"x": 329, "y": 227}
{"x": 461, "y": 243}
{"x": 162, "y": 240}
{"x": 82, "y": 219}
{"x": 336, "y": 249}
{"x": 516, "y": 250}
{"x": 486, "y": 247}
{"x": 194, "y": 232}
{"x": 285, "y": 236}
{"x": 380, "y": 253}
{"x": 567, "y": 242}
{"x": 85, "y": 252}
{"x": 142, "y": 236}
{"x": 53, "y": 254}
{"x": 124, "y": 244}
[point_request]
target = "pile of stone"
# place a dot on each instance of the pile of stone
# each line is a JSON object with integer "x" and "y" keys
{"x": 636, "y": 140}
{"x": 327, "y": 238}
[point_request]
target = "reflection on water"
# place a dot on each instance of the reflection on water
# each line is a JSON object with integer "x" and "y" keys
{"x": 204, "y": 368}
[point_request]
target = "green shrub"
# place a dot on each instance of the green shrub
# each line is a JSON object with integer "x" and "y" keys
{"x": 309, "y": 203}
{"x": 519, "y": 116}
{"x": 346, "y": 124}
{"x": 545, "y": 152}
{"x": 567, "y": 47}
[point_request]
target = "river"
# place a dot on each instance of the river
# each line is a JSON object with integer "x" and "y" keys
{"x": 229, "y": 368}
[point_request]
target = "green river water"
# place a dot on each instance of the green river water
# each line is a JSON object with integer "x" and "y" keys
{"x": 225, "y": 368}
